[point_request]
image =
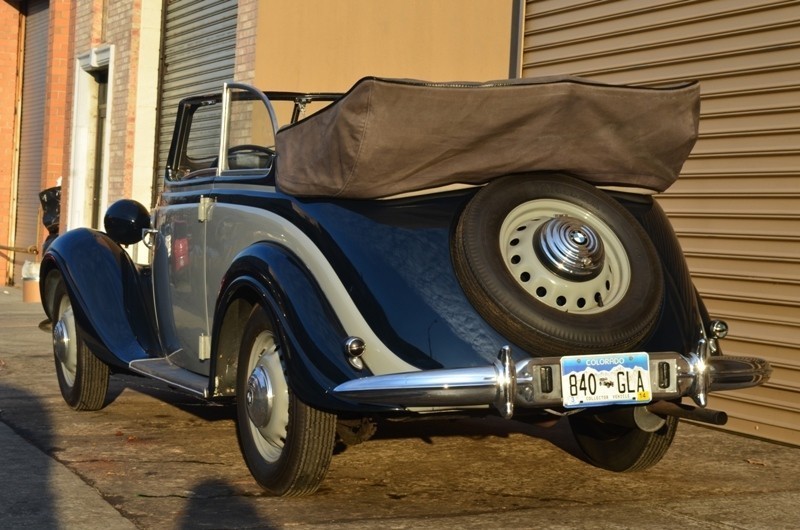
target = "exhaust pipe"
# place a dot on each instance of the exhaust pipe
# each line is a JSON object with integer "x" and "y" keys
{"x": 668, "y": 408}
{"x": 650, "y": 418}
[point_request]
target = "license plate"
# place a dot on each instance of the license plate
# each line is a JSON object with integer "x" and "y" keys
{"x": 605, "y": 379}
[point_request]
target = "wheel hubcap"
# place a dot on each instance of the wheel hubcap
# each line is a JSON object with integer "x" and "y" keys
{"x": 61, "y": 341}
{"x": 266, "y": 398}
{"x": 564, "y": 256}
{"x": 259, "y": 397}
{"x": 569, "y": 248}
{"x": 65, "y": 346}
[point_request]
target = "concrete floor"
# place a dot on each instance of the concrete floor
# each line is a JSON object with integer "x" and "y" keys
{"x": 154, "y": 458}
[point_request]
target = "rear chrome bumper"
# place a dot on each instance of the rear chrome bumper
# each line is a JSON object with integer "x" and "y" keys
{"x": 536, "y": 382}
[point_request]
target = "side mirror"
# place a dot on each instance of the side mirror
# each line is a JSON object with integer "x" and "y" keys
{"x": 125, "y": 220}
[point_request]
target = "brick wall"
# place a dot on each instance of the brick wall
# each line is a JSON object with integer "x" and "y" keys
{"x": 122, "y": 30}
{"x": 246, "y": 29}
{"x": 87, "y": 27}
{"x": 88, "y": 15}
{"x": 9, "y": 69}
{"x": 99, "y": 23}
{"x": 56, "y": 126}
{"x": 56, "y": 122}
{"x": 58, "y": 97}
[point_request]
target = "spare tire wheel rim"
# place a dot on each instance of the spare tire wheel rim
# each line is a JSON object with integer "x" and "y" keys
{"x": 564, "y": 256}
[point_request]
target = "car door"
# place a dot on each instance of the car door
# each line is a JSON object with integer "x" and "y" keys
{"x": 245, "y": 170}
{"x": 220, "y": 142}
{"x": 179, "y": 252}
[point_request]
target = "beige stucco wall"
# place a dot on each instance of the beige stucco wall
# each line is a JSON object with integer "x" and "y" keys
{"x": 320, "y": 45}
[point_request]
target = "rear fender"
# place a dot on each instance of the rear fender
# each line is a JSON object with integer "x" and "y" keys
{"x": 679, "y": 327}
{"x": 108, "y": 293}
{"x": 312, "y": 335}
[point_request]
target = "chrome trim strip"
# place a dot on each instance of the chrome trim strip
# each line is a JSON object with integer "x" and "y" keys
{"x": 506, "y": 383}
{"x": 727, "y": 372}
{"x": 459, "y": 387}
{"x": 430, "y": 388}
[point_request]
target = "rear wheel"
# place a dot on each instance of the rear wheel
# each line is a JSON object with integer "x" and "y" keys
{"x": 82, "y": 377}
{"x": 286, "y": 444}
{"x": 619, "y": 448}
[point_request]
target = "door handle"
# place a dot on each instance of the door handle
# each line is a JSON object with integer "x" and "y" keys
{"x": 149, "y": 237}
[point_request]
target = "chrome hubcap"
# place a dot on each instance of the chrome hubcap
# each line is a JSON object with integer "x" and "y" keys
{"x": 259, "y": 397}
{"x": 564, "y": 256}
{"x": 61, "y": 341}
{"x": 569, "y": 248}
{"x": 65, "y": 346}
{"x": 266, "y": 398}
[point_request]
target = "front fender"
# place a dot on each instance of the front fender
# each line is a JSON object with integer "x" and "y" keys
{"x": 269, "y": 274}
{"x": 108, "y": 295}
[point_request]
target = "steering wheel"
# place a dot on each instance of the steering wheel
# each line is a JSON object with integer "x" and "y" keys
{"x": 252, "y": 148}
{"x": 264, "y": 155}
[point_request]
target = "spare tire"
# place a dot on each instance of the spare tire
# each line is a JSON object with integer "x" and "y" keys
{"x": 558, "y": 266}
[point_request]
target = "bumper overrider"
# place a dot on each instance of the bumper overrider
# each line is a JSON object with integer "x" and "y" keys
{"x": 536, "y": 383}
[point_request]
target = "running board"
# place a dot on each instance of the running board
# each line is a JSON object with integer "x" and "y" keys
{"x": 165, "y": 371}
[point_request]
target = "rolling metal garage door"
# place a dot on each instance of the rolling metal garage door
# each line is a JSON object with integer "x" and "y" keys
{"x": 31, "y": 143}
{"x": 199, "y": 52}
{"x": 736, "y": 207}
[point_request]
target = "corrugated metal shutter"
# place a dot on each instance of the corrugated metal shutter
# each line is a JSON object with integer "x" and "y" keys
{"x": 31, "y": 146}
{"x": 199, "y": 52}
{"x": 736, "y": 206}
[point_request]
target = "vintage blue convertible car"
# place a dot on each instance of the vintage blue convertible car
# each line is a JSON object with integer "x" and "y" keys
{"x": 407, "y": 249}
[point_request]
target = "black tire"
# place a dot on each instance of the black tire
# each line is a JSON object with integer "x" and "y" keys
{"x": 618, "y": 448}
{"x": 522, "y": 294}
{"x": 288, "y": 449}
{"x": 82, "y": 377}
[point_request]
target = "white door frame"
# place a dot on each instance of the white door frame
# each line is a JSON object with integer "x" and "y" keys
{"x": 83, "y": 134}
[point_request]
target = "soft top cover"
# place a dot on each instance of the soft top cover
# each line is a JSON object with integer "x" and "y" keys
{"x": 391, "y": 136}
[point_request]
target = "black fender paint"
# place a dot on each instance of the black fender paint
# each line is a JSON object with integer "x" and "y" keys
{"x": 108, "y": 292}
{"x": 309, "y": 331}
{"x": 679, "y": 326}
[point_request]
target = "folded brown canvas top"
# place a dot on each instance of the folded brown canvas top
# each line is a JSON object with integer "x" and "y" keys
{"x": 389, "y": 136}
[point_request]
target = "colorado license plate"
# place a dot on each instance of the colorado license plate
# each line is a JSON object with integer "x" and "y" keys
{"x": 606, "y": 379}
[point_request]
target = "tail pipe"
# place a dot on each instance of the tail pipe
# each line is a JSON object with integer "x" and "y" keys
{"x": 668, "y": 408}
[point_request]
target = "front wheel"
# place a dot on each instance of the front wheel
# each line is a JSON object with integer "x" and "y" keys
{"x": 286, "y": 444}
{"x": 82, "y": 377}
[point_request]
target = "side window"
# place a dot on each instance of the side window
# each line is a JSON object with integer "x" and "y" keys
{"x": 251, "y": 141}
{"x": 240, "y": 118}
{"x": 201, "y": 147}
